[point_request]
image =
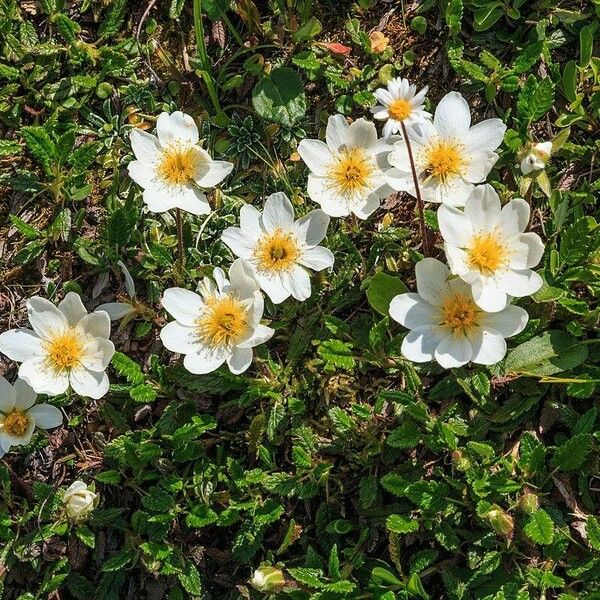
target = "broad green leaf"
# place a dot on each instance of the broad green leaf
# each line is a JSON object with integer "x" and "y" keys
{"x": 382, "y": 289}
{"x": 573, "y": 453}
{"x": 540, "y": 527}
{"x": 279, "y": 97}
{"x": 402, "y": 524}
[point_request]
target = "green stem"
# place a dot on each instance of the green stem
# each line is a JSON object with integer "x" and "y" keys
{"x": 179, "y": 275}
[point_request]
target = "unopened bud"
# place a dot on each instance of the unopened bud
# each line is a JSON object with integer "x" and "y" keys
{"x": 460, "y": 461}
{"x": 500, "y": 520}
{"x": 268, "y": 579}
{"x": 528, "y": 502}
{"x": 535, "y": 157}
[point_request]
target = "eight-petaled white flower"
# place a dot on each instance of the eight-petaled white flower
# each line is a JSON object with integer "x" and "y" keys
{"x": 400, "y": 103}
{"x": 79, "y": 501}
{"x": 279, "y": 248}
{"x": 445, "y": 323}
{"x": 450, "y": 156}
{"x": 347, "y": 173}
{"x": 20, "y": 415}
{"x": 173, "y": 169}
{"x": 486, "y": 247}
{"x": 536, "y": 157}
{"x": 221, "y": 324}
{"x": 67, "y": 346}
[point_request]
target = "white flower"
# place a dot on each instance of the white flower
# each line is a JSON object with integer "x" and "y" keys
{"x": 173, "y": 168}
{"x": 79, "y": 501}
{"x": 536, "y": 158}
{"x": 346, "y": 173}
{"x": 20, "y": 415}
{"x": 400, "y": 103}
{"x": 267, "y": 579}
{"x": 450, "y": 156}
{"x": 486, "y": 247}
{"x": 445, "y": 323}
{"x": 119, "y": 310}
{"x": 278, "y": 248}
{"x": 67, "y": 346}
{"x": 221, "y": 324}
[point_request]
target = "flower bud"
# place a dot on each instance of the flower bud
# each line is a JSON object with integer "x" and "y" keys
{"x": 528, "y": 502}
{"x": 500, "y": 520}
{"x": 267, "y": 579}
{"x": 460, "y": 461}
{"x": 79, "y": 501}
{"x": 536, "y": 157}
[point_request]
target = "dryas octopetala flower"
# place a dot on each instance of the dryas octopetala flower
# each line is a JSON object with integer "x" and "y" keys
{"x": 278, "y": 248}
{"x": 79, "y": 501}
{"x": 268, "y": 579}
{"x": 486, "y": 247}
{"x": 347, "y": 173}
{"x": 67, "y": 346}
{"x": 400, "y": 103}
{"x": 221, "y": 324}
{"x": 450, "y": 156}
{"x": 20, "y": 415}
{"x": 173, "y": 169}
{"x": 536, "y": 157}
{"x": 445, "y": 323}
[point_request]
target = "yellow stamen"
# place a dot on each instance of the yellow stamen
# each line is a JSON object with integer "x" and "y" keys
{"x": 486, "y": 253}
{"x": 460, "y": 314}
{"x": 277, "y": 251}
{"x": 443, "y": 160}
{"x": 224, "y": 322}
{"x": 65, "y": 350}
{"x": 400, "y": 109}
{"x": 352, "y": 171}
{"x": 178, "y": 165}
{"x": 16, "y": 423}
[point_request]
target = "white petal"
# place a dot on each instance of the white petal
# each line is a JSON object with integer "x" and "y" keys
{"x": 317, "y": 258}
{"x": 316, "y": 154}
{"x": 241, "y": 279}
{"x": 205, "y": 360}
{"x": 144, "y": 145}
{"x": 489, "y": 295}
{"x": 454, "y": 226}
{"x": 298, "y": 282}
{"x": 116, "y": 310}
{"x": 129, "y": 284}
{"x": 182, "y": 305}
{"x": 20, "y": 344}
{"x": 489, "y": 347}
{"x": 336, "y": 132}
{"x": 365, "y": 208}
{"x": 273, "y": 286}
{"x": 239, "y": 360}
{"x": 391, "y": 127}
{"x": 362, "y": 134}
{"x": 453, "y": 351}
{"x": 176, "y": 127}
{"x": 419, "y": 344}
{"x": 98, "y": 353}
{"x": 96, "y": 324}
{"x": 411, "y": 311}
{"x": 514, "y": 216}
{"x": 312, "y": 228}
{"x": 278, "y": 212}
{"x": 399, "y": 157}
{"x": 8, "y": 396}
{"x": 431, "y": 277}
{"x": 42, "y": 378}
{"x": 526, "y": 251}
{"x": 486, "y": 135}
{"x": 521, "y": 283}
{"x": 384, "y": 96}
{"x": 46, "y": 416}
{"x": 260, "y": 335}
{"x": 250, "y": 222}
{"x": 72, "y": 307}
{"x": 452, "y": 117}
{"x": 179, "y": 338}
{"x": 89, "y": 384}
{"x": 238, "y": 243}
{"x": 479, "y": 166}
{"x": 217, "y": 171}
{"x": 508, "y": 322}
{"x": 144, "y": 174}
{"x": 25, "y": 395}
{"x": 400, "y": 181}
{"x": 319, "y": 192}
{"x": 482, "y": 208}
{"x": 45, "y": 318}
{"x": 6, "y": 440}
{"x": 220, "y": 279}
{"x": 458, "y": 263}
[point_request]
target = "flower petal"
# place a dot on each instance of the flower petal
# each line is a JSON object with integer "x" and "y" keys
{"x": 454, "y": 226}
{"x": 521, "y": 283}
{"x": 176, "y": 127}
{"x": 453, "y": 351}
{"x": 336, "y": 132}
{"x": 508, "y": 322}
{"x": 250, "y": 222}
{"x": 297, "y": 280}
{"x": 89, "y": 384}
{"x": 260, "y": 335}
{"x": 204, "y": 360}
{"x": 362, "y": 134}
{"x": 273, "y": 287}
{"x": 526, "y": 251}
{"x": 238, "y": 243}
{"x": 217, "y": 171}
{"x": 419, "y": 344}
{"x": 42, "y": 378}
{"x": 239, "y": 360}
{"x": 46, "y": 416}
{"x": 241, "y": 279}
{"x": 514, "y": 216}
{"x": 411, "y": 311}
{"x": 482, "y": 208}
{"x": 452, "y": 117}
{"x": 25, "y": 396}
{"x": 144, "y": 174}
{"x": 98, "y": 353}
{"x": 45, "y": 318}
{"x": 179, "y": 338}
{"x": 8, "y": 396}
{"x": 365, "y": 208}
{"x": 316, "y": 154}
{"x": 489, "y": 347}
{"x": 489, "y": 294}
{"x": 96, "y": 325}
{"x": 145, "y": 146}
{"x": 312, "y": 228}
{"x": 332, "y": 204}
{"x": 317, "y": 258}
{"x": 20, "y": 344}
{"x": 182, "y": 305}
{"x": 486, "y": 135}
{"x": 278, "y": 213}
{"x": 72, "y": 307}
{"x": 431, "y": 277}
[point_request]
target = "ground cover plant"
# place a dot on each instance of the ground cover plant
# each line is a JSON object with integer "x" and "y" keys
{"x": 299, "y": 299}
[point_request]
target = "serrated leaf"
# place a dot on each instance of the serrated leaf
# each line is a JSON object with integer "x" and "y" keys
{"x": 540, "y": 527}
{"x": 573, "y": 453}
{"x": 401, "y": 524}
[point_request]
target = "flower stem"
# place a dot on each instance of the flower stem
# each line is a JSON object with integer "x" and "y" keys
{"x": 424, "y": 231}
{"x": 180, "y": 267}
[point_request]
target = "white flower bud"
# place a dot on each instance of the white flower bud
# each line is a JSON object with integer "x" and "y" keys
{"x": 79, "y": 501}
{"x": 536, "y": 158}
{"x": 267, "y": 579}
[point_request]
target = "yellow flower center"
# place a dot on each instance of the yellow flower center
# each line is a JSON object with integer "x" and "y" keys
{"x": 178, "y": 165}
{"x": 277, "y": 251}
{"x": 443, "y": 160}
{"x": 486, "y": 253}
{"x": 65, "y": 350}
{"x": 224, "y": 322}
{"x": 352, "y": 171}
{"x": 16, "y": 423}
{"x": 460, "y": 314}
{"x": 400, "y": 109}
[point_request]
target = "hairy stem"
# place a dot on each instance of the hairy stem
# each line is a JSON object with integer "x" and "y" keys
{"x": 426, "y": 245}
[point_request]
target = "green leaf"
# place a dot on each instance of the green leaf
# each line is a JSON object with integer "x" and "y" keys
{"x": 586, "y": 45}
{"x": 86, "y": 535}
{"x": 279, "y": 97}
{"x": 309, "y": 30}
{"x": 405, "y": 436}
{"x": 573, "y": 453}
{"x": 336, "y": 354}
{"x": 401, "y": 524}
{"x": 29, "y": 231}
{"x": 540, "y": 527}
{"x": 535, "y": 99}
{"x": 127, "y": 368}
{"x": 308, "y": 577}
{"x": 549, "y": 353}
{"x": 454, "y": 14}
{"x": 40, "y": 145}
{"x": 382, "y": 289}
{"x": 592, "y": 528}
